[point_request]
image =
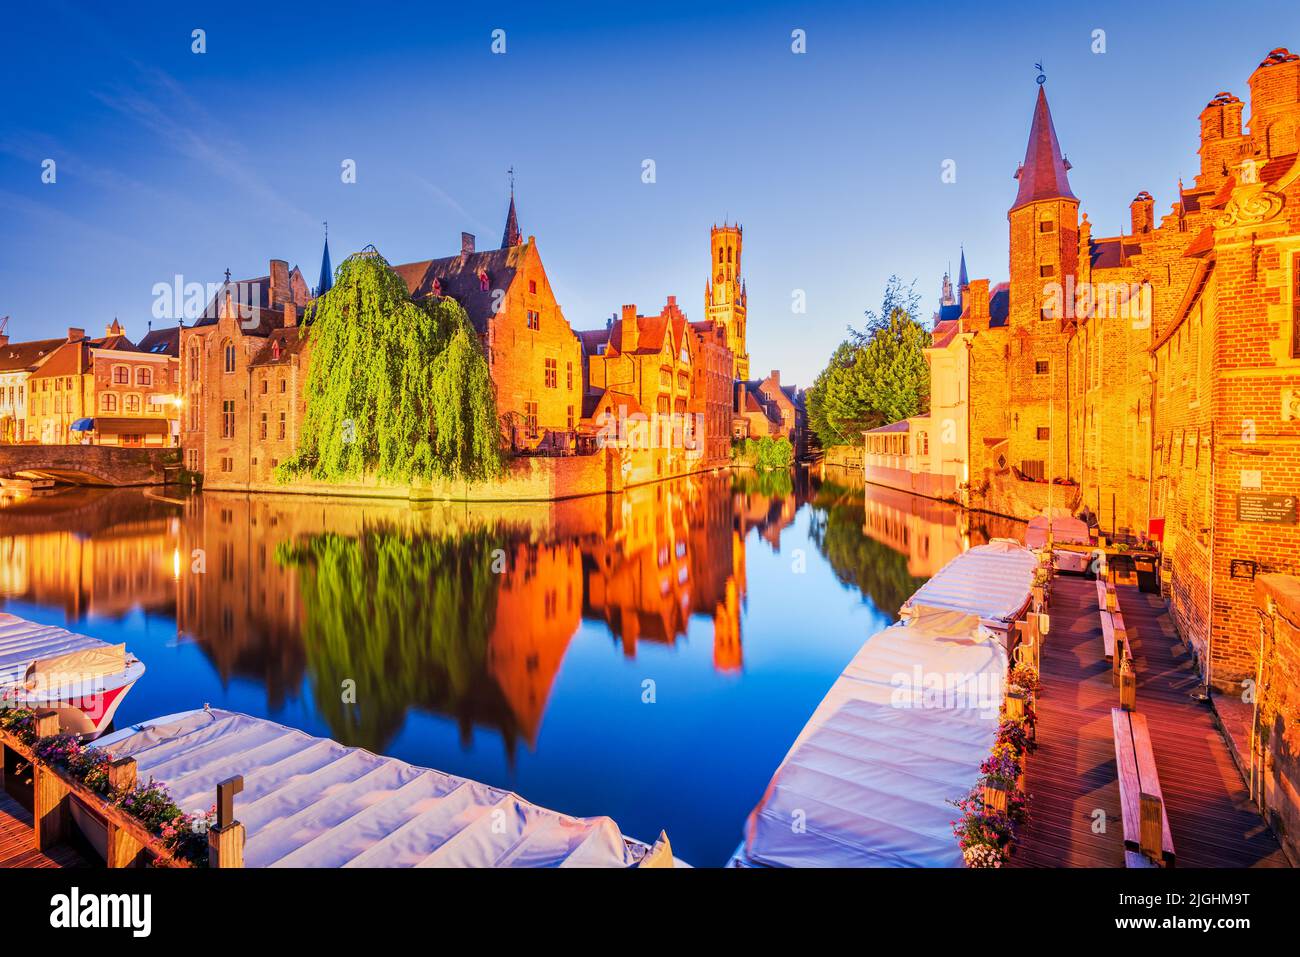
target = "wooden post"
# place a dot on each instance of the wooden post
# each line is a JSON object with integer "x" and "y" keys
{"x": 1151, "y": 830}
{"x": 49, "y": 793}
{"x": 995, "y": 797}
{"x": 1117, "y": 661}
{"x": 1127, "y": 686}
{"x": 1015, "y": 705}
{"x": 226, "y": 839}
{"x": 123, "y": 850}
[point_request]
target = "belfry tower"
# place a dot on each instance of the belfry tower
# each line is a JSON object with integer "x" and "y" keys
{"x": 724, "y": 293}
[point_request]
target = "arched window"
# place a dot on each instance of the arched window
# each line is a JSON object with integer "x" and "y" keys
{"x": 108, "y": 402}
{"x": 719, "y": 254}
{"x": 194, "y": 362}
{"x": 133, "y": 403}
{"x": 230, "y": 356}
{"x": 121, "y": 375}
{"x": 144, "y": 376}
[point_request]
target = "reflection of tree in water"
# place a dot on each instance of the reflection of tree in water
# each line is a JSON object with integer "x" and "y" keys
{"x": 777, "y": 483}
{"x": 408, "y": 618}
{"x": 859, "y": 560}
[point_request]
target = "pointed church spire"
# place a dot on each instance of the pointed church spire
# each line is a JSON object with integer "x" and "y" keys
{"x": 962, "y": 281}
{"x": 326, "y": 282}
{"x": 512, "y": 236}
{"x": 1043, "y": 174}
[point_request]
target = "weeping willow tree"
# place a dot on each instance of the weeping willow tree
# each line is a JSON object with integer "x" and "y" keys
{"x": 396, "y": 389}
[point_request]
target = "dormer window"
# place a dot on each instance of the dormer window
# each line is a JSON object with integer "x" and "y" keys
{"x": 482, "y": 279}
{"x": 437, "y": 287}
{"x": 275, "y": 348}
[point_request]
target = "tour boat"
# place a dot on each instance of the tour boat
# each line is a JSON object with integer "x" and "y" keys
{"x": 992, "y": 581}
{"x": 43, "y": 668}
{"x": 313, "y": 802}
{"x": 25, "y": 485}
{"x": 1066, "y": 531}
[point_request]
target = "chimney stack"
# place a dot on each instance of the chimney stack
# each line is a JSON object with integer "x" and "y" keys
{"x": 979, "y": 305}
{"x": 1142, "y": 213}
{"x": 74, "y": 333}
{"x": 631, "y": 334}
{"x": 776, "y": 378}
{"x": 290, "y": 315}
{"x": 4, "y": 339}
{"x": 466, "y": 244}
{"x": 1222, "y": 143}
{"x": 280, "y": 291}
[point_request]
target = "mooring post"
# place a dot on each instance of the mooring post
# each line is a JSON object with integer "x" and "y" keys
{"x": 226, "y": 838}
{"x": 50, "y": 796}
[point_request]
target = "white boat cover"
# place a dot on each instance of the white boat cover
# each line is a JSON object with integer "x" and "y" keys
{"x": 25, "y": 643}
{"x": 901, "y": 732}
{"x": 992, "y": 581}
{"x": 1065, "y": 531}
{"x": 311, "y": 802}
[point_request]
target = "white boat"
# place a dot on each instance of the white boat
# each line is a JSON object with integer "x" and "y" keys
{"x": 901, "y": 732}
{"x": 43, "y": 667}
{"x": 992, "y": 581}
{"x": 312, "y": 802}
{"x": 1066, "y": 531}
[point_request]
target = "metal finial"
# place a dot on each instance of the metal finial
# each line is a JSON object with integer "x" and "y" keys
{"x": 511, "y": 173}
{"x": 1042, "y": 77}
{"x": 326, "y": 224}
{"x": 227, "y": 275}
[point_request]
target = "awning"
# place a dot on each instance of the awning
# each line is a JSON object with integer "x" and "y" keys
{"x": 901, "y": 733}
{"x": 141, "y": 426}
{"x": 82, "y": 425}
{"x": 991, "y": 581}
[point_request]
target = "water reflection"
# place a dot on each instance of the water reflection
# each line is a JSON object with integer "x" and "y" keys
{"x": 384, "y": 625}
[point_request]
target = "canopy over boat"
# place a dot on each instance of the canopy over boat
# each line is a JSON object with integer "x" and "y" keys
{"x": 901, "y": 733}
{"x": 311, "y": 802}
{"x": 992, "y": 581}
{"x": 1066, "y": 530}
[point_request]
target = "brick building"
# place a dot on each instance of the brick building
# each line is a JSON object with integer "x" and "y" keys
{"x": 103, "y": 390}
{"x": 533, "y": 354}
{"x": 726, "y": 302}
{"x": 1154, "y": 376}
{"x": 18, "y": 360}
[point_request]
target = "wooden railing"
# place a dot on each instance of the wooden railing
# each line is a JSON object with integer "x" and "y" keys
{"x": 129, "y": 842}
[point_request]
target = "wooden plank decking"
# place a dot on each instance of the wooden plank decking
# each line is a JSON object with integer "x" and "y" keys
{"x": 18, "y": 845}
{"x": 1073, "y": 774}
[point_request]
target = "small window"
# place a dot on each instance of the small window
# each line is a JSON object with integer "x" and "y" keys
{"x": 1047, "y": 270}
{"x": 144, "y": 377}
{"x": 534, "y": 319}
{"x": 108, "y": 402}
{"x": 532, "y": 286}
{"x": 1034, "y": 469}
{"x": 1047, "y": 226}
{"x": 261, "y": 433}
{"x": 264, "y": 385}
{"x": 1040, "y": 367}
{"x": 230, "y": 357}
{"x": 1044, "y": 433}
{"x": 121, "y": 375}
{"x": 282, "y": 427}
{"x": 552, "y": 375}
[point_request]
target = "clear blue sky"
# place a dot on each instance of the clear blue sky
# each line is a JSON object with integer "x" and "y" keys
{"x": 171, "y": 162}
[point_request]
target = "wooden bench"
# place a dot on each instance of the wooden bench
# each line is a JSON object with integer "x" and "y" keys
{"x": 1108, "y": 634}
{"x": 1101, "y": 594}
{"x": 1142, "y": 805}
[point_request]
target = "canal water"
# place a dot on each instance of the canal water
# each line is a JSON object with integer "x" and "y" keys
{"x": 649, "y": 656}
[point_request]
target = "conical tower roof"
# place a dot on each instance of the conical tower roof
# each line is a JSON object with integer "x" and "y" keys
{"x": 1043, "y": 174}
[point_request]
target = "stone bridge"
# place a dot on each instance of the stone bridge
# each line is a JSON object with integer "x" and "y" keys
{"x": 89, "y": 464}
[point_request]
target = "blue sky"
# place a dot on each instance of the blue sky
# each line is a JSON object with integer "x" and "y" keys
{"x": 169, "y": 162}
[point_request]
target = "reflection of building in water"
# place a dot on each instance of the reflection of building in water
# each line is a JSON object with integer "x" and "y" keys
{"x": 538, "y": 609}
{"x": 929, "y": 533}
{"x": 673, "y": 554}
{"x": 120, "y": 567}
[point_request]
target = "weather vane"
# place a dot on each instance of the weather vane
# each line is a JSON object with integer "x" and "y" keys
{"x": 511, "y": 173}
{"x": 1042, "y": 77}
{"x": 326, "y": 224}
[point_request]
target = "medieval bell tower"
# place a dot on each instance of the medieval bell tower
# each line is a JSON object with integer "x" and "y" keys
{"x": 724, "y": 293}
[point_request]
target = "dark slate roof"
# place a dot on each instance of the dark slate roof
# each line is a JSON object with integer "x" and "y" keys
{"x": 1107, "y": 253}
{"x": 1043, "y": 175}
{"x": 164, "y": 342}
{"x": 457, "y": 277}
{"x": 962, "y": 281}
{"x": 592, "y": 340}
{"x": 902, "y": 425}
{"x": 326, "y": 282}
{"x": 23, "y": 355}
{"x": 950, "y": 312}
{"x": 290, "y": 343}
{"x": 239, "y": 288}
{"x": 511, "y": 236}
{"x": 999, "y": 304}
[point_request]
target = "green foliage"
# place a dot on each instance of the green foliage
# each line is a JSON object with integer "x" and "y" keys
{"x": 764, "y": 454}
{"x": 876, "y": 376}
{"x": 397, "y": 389}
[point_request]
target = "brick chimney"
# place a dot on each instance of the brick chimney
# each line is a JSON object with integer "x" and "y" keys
{"x": 280, "y": 291}
{"x": 74, "y": 333}
{"x": 4, "y": 339}
{"x": 631, "y": 334}
{"x": 776, "y": 378}
{"x": 290, "y": 315}
{"x": 466, "y": 244}
{"x": 1275, "y": 104}
{"x": 979, "y": 306}
{"x": 1221, "y": 139}
{"x": 1142, "y": 213}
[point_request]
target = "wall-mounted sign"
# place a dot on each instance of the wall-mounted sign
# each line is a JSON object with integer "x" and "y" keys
{"x": 1265, "y": 507}
{"x": 1252, "y": 480}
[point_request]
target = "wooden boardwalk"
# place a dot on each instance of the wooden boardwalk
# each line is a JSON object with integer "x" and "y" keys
{"x": 1072, "y": 776}
{"x": 18, "y": 846}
